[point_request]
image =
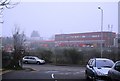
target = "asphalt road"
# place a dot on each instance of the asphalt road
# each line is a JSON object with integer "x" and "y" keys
{"x": 47, "y": 72}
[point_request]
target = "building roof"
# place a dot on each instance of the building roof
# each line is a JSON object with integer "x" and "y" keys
{"x": 87, "y": 33}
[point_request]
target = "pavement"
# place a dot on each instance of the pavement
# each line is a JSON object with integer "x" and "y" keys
{"x": 2, "y": 71}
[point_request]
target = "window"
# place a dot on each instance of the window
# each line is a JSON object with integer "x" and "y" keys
{"x": 32, "y": 58}
{"x": 95, "y": 35}
{"x": 26, "y": 58}
{"x": 117, "y": 66}
{"x": 83, "y": 36}
{"x": 90, "y": 62}
{"x": 118, "y": 40}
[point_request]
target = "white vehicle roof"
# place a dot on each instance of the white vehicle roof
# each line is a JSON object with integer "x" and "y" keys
{"x": 29, "y": 56}
{"x": 101, "y": 58}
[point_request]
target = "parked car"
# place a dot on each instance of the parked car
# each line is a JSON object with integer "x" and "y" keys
{"x": 33, "y": 59}
{"x": 97, "y": 68}
{"x": 114, "y": 73}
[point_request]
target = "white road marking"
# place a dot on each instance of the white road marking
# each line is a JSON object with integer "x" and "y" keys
{"x": 53, "y": 76}
{"x": 51, "y": 71}
{"x": 82, "y": 71}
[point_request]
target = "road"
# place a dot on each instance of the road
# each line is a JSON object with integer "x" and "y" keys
{"x": 47, "y": 72}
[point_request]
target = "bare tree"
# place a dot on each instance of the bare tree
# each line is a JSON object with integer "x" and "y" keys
{"x": 19, "y": 49}
{"x": 6, "y": 4}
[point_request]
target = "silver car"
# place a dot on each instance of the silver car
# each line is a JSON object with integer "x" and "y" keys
{"x": 97, "y": 68}
{"x": 33, "y": 59}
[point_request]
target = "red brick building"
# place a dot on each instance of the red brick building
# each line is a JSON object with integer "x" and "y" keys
{"x": 89, "y": 39}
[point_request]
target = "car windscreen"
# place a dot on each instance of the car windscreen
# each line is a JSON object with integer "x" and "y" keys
{"x": 104, "y": 63}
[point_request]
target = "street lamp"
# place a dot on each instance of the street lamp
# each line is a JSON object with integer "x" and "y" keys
{"x": 101, "y": 30}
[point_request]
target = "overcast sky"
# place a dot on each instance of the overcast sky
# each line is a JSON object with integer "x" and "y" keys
{"x": 50, "y": 18}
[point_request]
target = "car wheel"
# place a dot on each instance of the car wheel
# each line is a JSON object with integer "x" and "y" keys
{"x": 38, "y": 62}
{"x": 26, "y": 62}
{"x": 86, "y": 75}
{"x": 93, "y": 78}
{"x": 109, "y": 79}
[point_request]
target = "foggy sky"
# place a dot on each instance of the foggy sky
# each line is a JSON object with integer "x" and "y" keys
{"x": 50, "y": 18}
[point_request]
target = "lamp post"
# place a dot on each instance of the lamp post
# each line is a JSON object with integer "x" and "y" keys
{"x": 101, "y": 30}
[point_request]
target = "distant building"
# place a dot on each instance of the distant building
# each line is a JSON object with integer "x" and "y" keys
{"x": 47, "y": 43}
{"x": 8, "y": 48}
{"x": 90, "y": 39}
{"x": 117, "y": 41}
{"x": 35, "y": 36}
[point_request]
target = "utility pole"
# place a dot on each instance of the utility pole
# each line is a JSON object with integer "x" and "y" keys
{"x": 101, "y": 31}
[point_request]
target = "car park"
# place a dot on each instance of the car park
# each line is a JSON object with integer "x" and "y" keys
{"x": 32, "y": 59}
{"x": 97, "y": 68}
{"x": 114, "y": 73}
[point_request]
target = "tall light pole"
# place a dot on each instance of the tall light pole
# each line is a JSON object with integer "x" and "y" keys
{"x": 101, "y": 30}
